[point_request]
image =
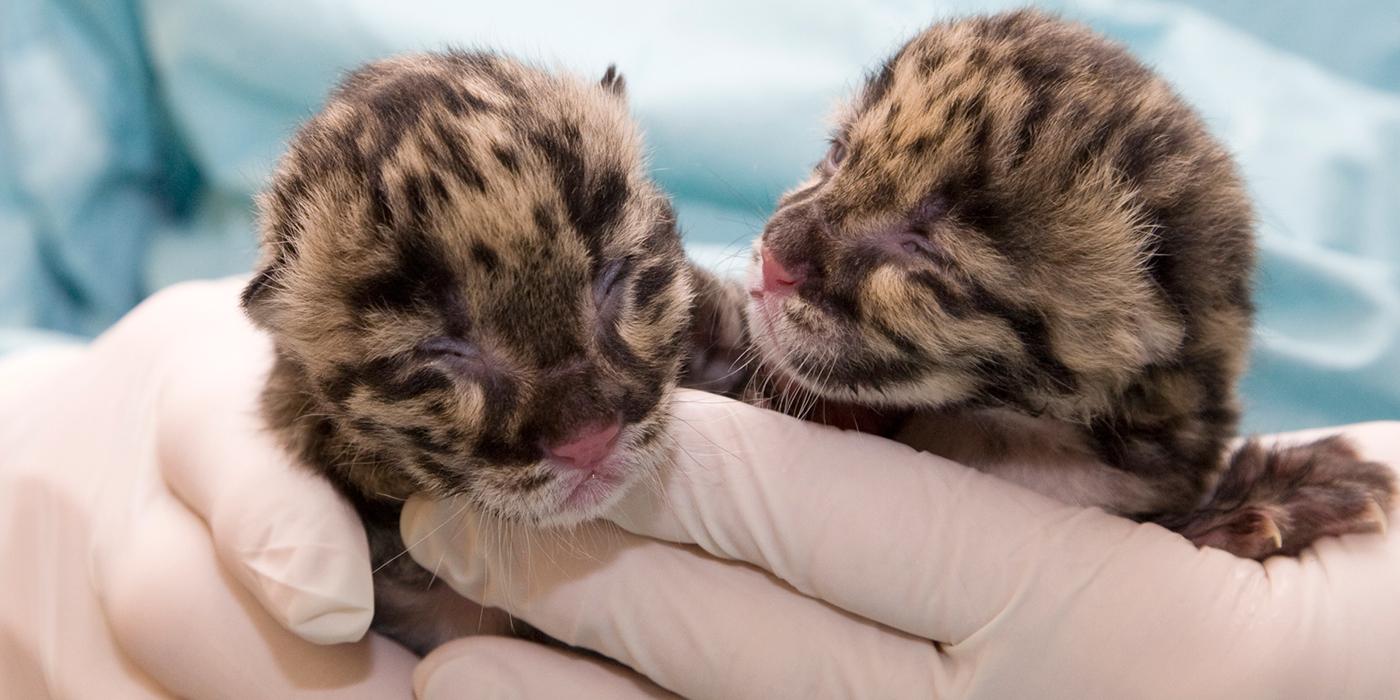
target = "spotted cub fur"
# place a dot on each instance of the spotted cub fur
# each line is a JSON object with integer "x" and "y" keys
{"x": 465, "y": 262}
{"x": 1025, "y": 252}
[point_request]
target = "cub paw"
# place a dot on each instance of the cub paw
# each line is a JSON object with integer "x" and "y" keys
{"x": 717, "y": 358}
{"x": 1280, "y": 500}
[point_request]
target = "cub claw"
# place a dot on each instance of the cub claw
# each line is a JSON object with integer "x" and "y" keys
{"x": 1268, "y": 530}
{"x": 1375, "y": 515}
{"x": 1280, "y": 500}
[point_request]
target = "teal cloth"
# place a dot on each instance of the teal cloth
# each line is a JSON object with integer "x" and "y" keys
{"x": 132, "y": 134}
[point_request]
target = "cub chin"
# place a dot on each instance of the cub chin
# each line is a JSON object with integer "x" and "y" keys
{"x": 1023, "y": 251}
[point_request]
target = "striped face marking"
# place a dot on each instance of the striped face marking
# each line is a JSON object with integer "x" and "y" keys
{"x": 475, "y": 279}
{"x": 1006, "y": 217}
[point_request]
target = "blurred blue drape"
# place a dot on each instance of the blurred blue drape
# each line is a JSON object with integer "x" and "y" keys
{"x": 132, "y": 134}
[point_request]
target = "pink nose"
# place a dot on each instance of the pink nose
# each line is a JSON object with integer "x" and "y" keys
{"x": 587, "y": 447}
{"x": 776, "y": 278}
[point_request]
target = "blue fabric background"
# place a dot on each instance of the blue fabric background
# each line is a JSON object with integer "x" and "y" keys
{"x": 132, "y": 134}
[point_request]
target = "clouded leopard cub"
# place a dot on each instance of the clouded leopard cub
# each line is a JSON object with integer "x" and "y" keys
{"x": 473, "y": 288}
{"x": 1023, "y": 251}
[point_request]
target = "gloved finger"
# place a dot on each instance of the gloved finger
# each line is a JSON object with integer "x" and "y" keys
{"x": 501, "y": 667}
{"x": 178, "y": 615}
{"x": 283, "y": 531}
{"x": 901, "y": 537}
{"x": 698, "y": 626}
{"x": 934, "y": 548}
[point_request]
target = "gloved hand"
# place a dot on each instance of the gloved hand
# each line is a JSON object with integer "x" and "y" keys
{"x": 112, "y": 460}
{"x": 860, "y": 551}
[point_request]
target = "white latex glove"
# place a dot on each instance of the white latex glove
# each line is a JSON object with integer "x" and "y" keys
{"x": 112, "y": 460}
{"x": 859, "y": 551}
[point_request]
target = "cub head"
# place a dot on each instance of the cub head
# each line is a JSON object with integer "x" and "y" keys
{"x": 1013, "y": 211}
{"x": 475, "y": 286}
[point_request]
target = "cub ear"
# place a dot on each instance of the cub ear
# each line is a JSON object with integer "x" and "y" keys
{"x": 258, "y": 294}
{"x": 613, "y": 81}
{"x": 276, "y": 232}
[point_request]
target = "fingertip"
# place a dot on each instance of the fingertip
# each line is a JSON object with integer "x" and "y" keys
{"x": 322, "y": 592}
{"x": 283, "y": 530}
{"x": 440, "y": 536}
{"x": 333, "y": 626}
{"x": 504, "y": 667}
{"x": 183, "y": 630}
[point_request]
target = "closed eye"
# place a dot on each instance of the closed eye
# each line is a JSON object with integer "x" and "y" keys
{"x": 835, "y": 156}
{"x": 914, "y": 244}
{"x": 449, "y": 347}
{"x": 609, "y": 282}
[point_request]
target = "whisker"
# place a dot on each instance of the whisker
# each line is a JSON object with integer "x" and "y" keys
{"x": 420, "y": 540}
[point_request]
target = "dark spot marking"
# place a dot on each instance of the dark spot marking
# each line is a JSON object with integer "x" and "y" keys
{"x": 882, "y": 193}
{"x": 908, "y": 349}
{"x": 505, "y": 451}
{"x": 423, "y": 439}
{"x": 650, "y": 433}
{"x": 617, "y": 349}
{"x": 856, "y": 371}
{"x": 663, "y": 238}
{"x": 948, "y": 299}
{"x": 1037, "y": 111}
{"x": 1033, "y": 330}
{"x": 1098, "y": 138}
{"x": 1148, "y": 146}
{"x": 461, "y": 102}
{"x": 879, "y": 85}
{"x": 931, "y": 61}
{"x": 507, "y": 157}
{"x": 924, "y": 144}
{"x": 981, "y": 139}
{"x": 458, "y": 162}
{"x": 368, "y": 427}
{"x": 436, "y": 188}
{"x": 417, "y": 275}
{"x": 652, "y": 281}
{"x": 968, "y": 108}
{"x": 544, "y": 221}
{"x": 380, "y": 213}
{"x": 415, "y": 197}
{"x": 533, "y": 482}
{"x": 593, "y": 204}
{"x": 485, "y": 256}
{"x": 339, "y": 385}
{"x": 1037, "y": 71}
{"x": 384, "y": 377}
{"x": 610, "y": 193}
{"x": 439, "y": 471}
{"x": 637, "y": 405}
{"x": 501, "y": 396}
